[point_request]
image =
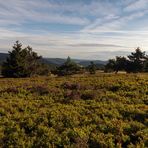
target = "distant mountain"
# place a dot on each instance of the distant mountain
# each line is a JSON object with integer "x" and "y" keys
{"x": 60, "y": 61}
{"x": 87, "y": 62}
{"x": 54, "y": 61}
{"x": 3, "y": 57}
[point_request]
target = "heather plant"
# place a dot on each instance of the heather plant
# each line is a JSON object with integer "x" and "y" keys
{"x": 101, "y": 110}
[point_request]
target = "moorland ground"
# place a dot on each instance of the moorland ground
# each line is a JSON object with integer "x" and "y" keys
{"x": 102, "y": 110}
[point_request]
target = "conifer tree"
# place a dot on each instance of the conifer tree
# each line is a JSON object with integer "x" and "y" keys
{"x": 92, "y": 68}
{"x": 68, "y": 68}
{"x": 22, "y": 62}
{"x": 136, "y": 61}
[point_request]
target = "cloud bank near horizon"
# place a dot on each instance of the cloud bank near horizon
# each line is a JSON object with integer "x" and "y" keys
{"x": 88, "y": 29}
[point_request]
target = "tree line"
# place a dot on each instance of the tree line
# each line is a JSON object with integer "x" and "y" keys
{"x": 24, "y": 62}
{"x": 135, "y": 62}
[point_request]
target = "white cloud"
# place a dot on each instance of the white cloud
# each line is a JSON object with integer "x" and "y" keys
{"x": 104, "y": 27}
{"x": 76, "y": 45}
{"x": 116, "y": 23}
{"x": 19, "y": 12}
{"x": 137, "y": 5}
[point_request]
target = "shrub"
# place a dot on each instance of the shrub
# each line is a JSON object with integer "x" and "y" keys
{"x": 89, "y": 95}
{"x": 39, "y": 89}
{"x": 71, "y": 86}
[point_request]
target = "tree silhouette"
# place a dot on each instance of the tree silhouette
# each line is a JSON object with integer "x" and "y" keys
{"x": 68, "y": 68}
{"x": 92, "y": 68}
{"x": 136, "y": 61}
{"x": 110, "y": 66}
{"x": 146, "y": 64}
{"x": 22, "y": 62}
{"x": 120, "y": 63}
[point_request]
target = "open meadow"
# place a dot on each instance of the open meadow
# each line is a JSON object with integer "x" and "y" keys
{"x": 98, "y": 111}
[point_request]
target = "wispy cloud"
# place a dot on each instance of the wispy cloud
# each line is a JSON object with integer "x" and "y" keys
{"x": 96, "y": 45}
{"x": 116, "y": 23}
{"x": 80, "y": 28}
{"x": 137, "y": 5}
{"x": 19, "y": 12}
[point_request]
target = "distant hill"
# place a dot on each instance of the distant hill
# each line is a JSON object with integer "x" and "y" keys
{"x": 3, "y": 57}
{"x": 87, "y": 62}
{"x": 60, "y": 61}
{"x": 54, "y": 61}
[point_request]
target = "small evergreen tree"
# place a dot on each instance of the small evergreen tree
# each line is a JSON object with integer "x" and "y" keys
{"x": 68, "y": 68}
{"x": 92, "y": 68}
{"x": 136, "y": 61}
{"x": 120, "y": 64}
{"x": 146, "y": 64}
{"x": 22, "y": 62}
{"x": 110, "y": 66}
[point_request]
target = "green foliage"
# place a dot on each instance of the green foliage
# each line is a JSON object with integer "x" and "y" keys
{"x": 102, "y": 110}
{"x": 146, "y": 64}
{"x": 23, "y": 63}
{"x": 110, "y": 66}
{"x": 92, "y": 68}
{"x": 136, "y": 62}
{"x": 68, "y": 68}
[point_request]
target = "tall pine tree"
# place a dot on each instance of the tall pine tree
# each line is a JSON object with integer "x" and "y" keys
{"x": 22, "y": 62}
{"x": 136, "y": 61}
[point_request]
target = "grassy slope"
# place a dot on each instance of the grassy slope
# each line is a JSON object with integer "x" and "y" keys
{"x": 104, "y": 110}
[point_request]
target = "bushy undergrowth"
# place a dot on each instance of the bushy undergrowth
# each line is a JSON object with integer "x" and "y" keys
{"x": 100, "y": 111}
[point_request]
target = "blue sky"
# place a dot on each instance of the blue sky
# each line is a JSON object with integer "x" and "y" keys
{"x": 86, "y": 29}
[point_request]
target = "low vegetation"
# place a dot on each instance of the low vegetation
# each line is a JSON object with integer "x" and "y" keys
{"x": 101, "y": 110}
